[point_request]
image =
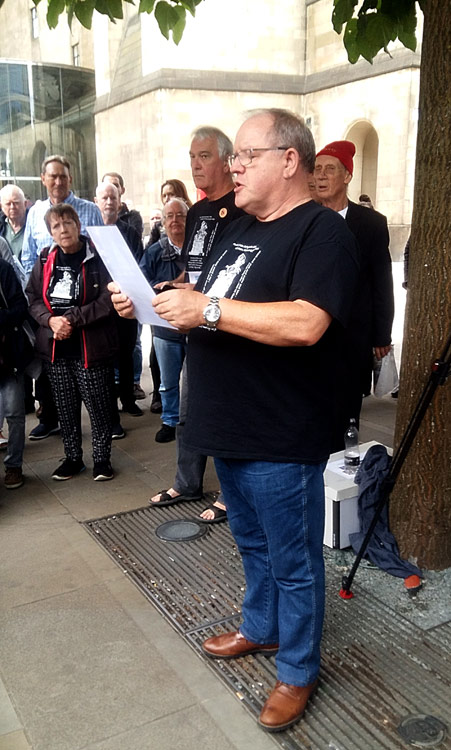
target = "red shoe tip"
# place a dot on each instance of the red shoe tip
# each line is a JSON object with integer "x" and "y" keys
{"x": 412, "y": 582}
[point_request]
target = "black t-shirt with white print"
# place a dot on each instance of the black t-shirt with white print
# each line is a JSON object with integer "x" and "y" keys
{"x": 63, "y": 293}
{"x": 253, "y": 401}
{"x": 206, "y": 220}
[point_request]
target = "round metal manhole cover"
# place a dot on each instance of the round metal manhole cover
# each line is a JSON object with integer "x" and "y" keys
{"x": 422, "y": 730}
{"x": 180, "y": 531}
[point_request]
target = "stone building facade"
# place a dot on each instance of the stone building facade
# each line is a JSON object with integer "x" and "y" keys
{"x": 235, "y": 56}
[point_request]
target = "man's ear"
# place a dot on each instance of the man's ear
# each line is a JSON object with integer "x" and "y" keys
{"x": 348, "y": 177}
{"x": 291, "y": 162}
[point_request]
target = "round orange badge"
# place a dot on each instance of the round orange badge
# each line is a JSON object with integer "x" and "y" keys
{"x": 222, "y": 213}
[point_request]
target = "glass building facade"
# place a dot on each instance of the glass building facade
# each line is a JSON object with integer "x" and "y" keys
{"x": 44, "y": 110}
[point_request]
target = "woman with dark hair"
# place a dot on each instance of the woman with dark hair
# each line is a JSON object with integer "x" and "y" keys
{"x": 76, "y": 338}
{"x": 174, "y": 189}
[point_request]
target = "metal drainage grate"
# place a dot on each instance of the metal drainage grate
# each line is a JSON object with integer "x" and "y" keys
{"x": 376, "y": 666}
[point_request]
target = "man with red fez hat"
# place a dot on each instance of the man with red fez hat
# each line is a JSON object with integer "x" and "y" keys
{"x": 372, "y": 316}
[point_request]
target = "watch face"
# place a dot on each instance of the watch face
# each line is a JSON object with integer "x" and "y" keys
{"x": 212, "y": 313}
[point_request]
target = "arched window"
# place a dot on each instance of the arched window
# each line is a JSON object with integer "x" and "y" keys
{"x": 366, "y": 142}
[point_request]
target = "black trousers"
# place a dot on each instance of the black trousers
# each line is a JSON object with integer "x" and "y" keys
{"x": 43, "y": 393}
{"x": 127, "y": 332}
{"x": 72, "y": 384}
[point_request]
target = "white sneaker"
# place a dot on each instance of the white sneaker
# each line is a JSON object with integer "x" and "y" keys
{"x": 3, "y": 442}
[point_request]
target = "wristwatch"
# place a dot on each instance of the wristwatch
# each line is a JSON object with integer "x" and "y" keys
{"x": 212, "y": 313}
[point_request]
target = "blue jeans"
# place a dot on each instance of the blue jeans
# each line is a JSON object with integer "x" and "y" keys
{"x": 170, "y": 356}
{"x": 276, "y": 514}
{"x": 138, "y": 356}
{"x": 13, "y": 397}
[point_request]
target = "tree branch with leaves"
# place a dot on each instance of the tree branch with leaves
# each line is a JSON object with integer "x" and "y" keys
{"x": 374, "y": 25}
{"x": 170, "y": 16}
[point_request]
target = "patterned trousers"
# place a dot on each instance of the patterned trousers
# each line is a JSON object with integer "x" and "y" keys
{"x": 71, "y": 384}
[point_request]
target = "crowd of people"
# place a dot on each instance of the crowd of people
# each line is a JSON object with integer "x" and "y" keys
{"x": 278, "y": 291}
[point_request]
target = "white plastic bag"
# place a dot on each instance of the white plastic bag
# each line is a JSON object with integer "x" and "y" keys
{"x": 385, "y": 375}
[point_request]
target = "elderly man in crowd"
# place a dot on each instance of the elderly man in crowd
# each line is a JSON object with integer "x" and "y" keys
{"x": 133, "y": 219}
{"x": 127, "y": 215}
{"x": 372, "y": 312}
{"x": 276, "y": 288}
{"x": 162, "y": 262}
{"x": 205, "y": 223}
{"x": 108, "y": 200}
{"x": 57, "y": 179}
{"x": 12, "y": 224}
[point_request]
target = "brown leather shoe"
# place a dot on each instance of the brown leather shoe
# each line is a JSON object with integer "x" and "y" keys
{"x": 231, "y": 645}
{"x": 285, "y": 706}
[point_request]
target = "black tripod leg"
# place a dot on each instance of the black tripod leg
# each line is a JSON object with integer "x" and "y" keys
{"x": 440, "y": 371}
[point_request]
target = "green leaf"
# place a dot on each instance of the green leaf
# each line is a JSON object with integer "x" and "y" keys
{"x": 368, "y": 5}
{"x": 146, "y": 6}
{"x": 379, "y": 31}
{"x": 110, "y": 8}
{"x": 83, "y": 11}
{"x": 166, "y": 16}
{"x": 408, "y": 23}
{"x": 342, "y": 13}
{"x": 54, "y": 10}
{"x": 189, "y": 5}
{"x": 350, "y": 41}
{"x": 179, "y": 27}
{"x": 408, "y": 39}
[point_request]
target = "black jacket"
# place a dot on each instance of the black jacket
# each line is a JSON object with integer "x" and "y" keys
{"x": 132, "y": 217}
{"x": 15, "y": 351}
{"x": 373, "y": 309}
{"x": 93, "y": 317}
{"x": 132, "y": 238}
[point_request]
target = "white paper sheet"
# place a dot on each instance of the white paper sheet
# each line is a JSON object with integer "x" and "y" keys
{"x": 125, "y": 271}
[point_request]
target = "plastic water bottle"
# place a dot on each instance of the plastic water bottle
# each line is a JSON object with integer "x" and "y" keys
{"x": 352, "y": 451}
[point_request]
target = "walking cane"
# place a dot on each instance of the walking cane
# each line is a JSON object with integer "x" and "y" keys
{"x": 439, "y": 373}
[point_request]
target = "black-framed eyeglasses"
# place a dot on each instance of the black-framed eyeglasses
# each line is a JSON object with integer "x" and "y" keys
{"x": 247, "y": 154}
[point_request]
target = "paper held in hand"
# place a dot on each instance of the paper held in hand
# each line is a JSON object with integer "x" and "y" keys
{"x": 125, "y": 271}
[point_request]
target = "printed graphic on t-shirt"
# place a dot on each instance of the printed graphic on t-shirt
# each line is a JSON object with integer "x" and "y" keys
{"x": 63, "y": 291}
{"x": 226, "y": 278}
{"x": 63, "y": 287}
{"x": 203, "y": 238}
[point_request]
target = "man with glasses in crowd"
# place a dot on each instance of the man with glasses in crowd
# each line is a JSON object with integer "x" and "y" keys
{"x": 162, "y": 262}
{"x": 277, "y": 288}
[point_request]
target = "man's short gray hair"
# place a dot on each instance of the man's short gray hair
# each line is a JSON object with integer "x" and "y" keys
{"x": 6, "y": 189}
{"x": 55, "y": 157}
{"x": 289, "y": 129}
{"x": 103, "y": 185}
{"x": 181, "y": 203}
{"x": 225, "y": 146}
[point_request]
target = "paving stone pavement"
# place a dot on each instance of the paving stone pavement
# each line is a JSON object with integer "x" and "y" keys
{"x": 86, "y": 663}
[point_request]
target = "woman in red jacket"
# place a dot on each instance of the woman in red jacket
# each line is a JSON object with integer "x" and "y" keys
{"x": 76, "y": 338}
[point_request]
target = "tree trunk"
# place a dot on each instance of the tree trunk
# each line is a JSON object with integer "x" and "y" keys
{"x": 420, "y": 506}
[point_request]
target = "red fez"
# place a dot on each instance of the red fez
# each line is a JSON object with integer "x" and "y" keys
{"x": 342, "y": 150}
